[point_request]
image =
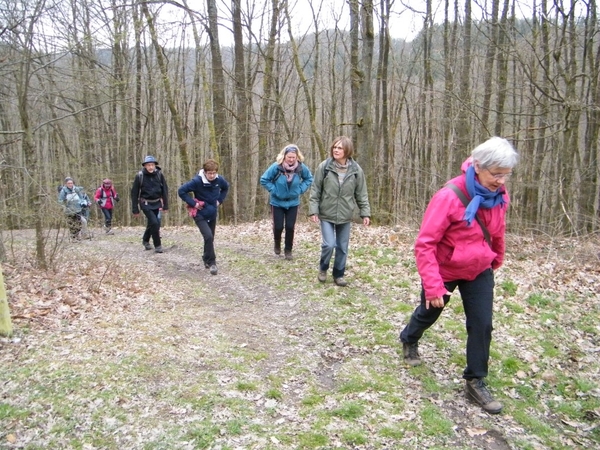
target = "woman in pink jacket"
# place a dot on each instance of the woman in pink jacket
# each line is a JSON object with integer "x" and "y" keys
{"x": 106, "y": 198}
{"x": 460, "y": 244}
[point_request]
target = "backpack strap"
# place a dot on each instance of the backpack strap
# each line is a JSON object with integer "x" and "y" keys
{"x": 463, "y": 198}
{"x": 325, "y": 172}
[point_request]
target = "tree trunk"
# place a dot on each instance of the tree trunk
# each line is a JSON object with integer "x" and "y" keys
{"x": 5, "y": 322}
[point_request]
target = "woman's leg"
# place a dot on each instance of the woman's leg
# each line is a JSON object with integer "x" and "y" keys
{"x": 478, "y": 300}
{"x": 107, "y": 217}
{"x": 278, "y": 215}
{"x": 74, "y": 223}
{"x": 327, "y": 244}
{"x": 423, "y": 318}
{"x": 208, "y": 255}
{"x": 290, "y": 224}
{"x": 342, "y": 241}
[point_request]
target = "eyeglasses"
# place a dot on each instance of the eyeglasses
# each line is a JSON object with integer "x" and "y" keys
{"x": 500, "y": 176}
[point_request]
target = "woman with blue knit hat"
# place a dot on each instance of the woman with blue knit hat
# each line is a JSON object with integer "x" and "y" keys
{"x": 459, "y": 245}
{"x": 150, "y": 193}
{"x": 286, "y": 180}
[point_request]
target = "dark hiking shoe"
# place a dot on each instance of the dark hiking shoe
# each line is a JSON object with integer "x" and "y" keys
{"x": 340, "y": 282}
{"x": 477, "y": 391}
{"x": 158, "y": 249}
{"x": 206, "y": 265}
{"x": 277, "y": 247}
{"x": 322, "y": 277}
{"x": 288, "y": 255}
{"x": 411, "y": 354}
{"x": 214, "y": 270}
{"x": 147, "y": 245}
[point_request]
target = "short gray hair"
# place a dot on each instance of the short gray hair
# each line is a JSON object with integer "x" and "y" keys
{"x": 495, "y": 152}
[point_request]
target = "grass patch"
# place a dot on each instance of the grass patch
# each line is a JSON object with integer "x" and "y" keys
{"x": 508, "y": 288}
{"x": 349, "y": 411}
{"x": 434, "y": 422}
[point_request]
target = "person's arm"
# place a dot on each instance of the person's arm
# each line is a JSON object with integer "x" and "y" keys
{"x": 498, "y": 239}
{"x": 361, "y": 197}
{"x": 267, "y": 178}
{"x": 435, "y": 223}
{"x": 316, "y": 190}
{"x": 184, "y": 193}
{"x": 224, "y": 190}
{"x": 135, "y": 196}
{"x": 165, "y": 193}
{"x": 307, "y": 179}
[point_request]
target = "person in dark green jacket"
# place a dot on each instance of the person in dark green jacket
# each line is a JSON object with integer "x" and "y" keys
{"x": 339, "y": 188}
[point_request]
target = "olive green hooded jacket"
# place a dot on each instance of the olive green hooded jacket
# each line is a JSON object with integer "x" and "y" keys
{"x": 336, "y": 203}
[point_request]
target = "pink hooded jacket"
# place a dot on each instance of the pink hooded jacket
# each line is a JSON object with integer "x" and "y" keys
{"x": 447, "y": 249}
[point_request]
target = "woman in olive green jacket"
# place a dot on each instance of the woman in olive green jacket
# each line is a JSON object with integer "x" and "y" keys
{"x": 339, "y": 187}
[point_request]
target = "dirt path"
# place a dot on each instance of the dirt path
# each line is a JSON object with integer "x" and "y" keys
{"x": 173, "y": 357}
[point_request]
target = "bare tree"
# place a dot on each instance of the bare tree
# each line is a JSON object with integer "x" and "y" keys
{"x": 176, "y": 117}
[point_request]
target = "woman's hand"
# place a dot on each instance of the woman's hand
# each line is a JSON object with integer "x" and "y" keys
{"x": 436, "y": 302}
{"x": 366, "y": 221}
{"x": 314, "y": 218}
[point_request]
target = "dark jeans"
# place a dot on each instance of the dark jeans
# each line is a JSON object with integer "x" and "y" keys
{"x": 152, "y": 226}
{"x": 288, "y": 217}
{"x": 478, "y": 298}
{"x": 207, "y": 229}
{"x": 107, "y": 217}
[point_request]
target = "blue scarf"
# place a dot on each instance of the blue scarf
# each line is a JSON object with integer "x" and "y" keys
{"x": 480, "y": 196}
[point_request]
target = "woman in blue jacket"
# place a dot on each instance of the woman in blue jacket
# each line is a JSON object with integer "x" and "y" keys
{"x": 208, "y": 190}
{"x": 286, "y": 180}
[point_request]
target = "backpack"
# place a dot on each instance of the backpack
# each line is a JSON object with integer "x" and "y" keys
{"x": 113, "y": 193}
{"x": 140, "y": 178}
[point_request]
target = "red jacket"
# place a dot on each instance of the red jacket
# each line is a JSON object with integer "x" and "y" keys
{"x": 107, "y": 197}
{"x": 447, "y": 249}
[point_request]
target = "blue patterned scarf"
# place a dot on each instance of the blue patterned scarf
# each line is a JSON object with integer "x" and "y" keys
{"x": 480, "y": 196}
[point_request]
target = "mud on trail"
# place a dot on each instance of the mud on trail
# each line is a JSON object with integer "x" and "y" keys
{"x": 152, "y": 351}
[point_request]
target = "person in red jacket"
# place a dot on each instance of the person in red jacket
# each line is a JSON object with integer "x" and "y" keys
{"x": 106, "y": 198}
{"x": 460, "y": 244}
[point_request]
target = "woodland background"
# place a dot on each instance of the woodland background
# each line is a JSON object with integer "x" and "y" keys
{"x": 89, "y": 88}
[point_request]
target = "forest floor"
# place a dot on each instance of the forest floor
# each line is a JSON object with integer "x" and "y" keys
{"x": 120, "y": 348}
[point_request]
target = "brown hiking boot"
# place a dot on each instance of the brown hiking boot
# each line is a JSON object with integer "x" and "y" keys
{"x": 277, "y": 247}
{"x": 411, "y": 354}
{"x": 288, "y": 255}
{"x": 322, "y": 277}
{"x": 477, "y": 391}
{"x": 340, "y": 282}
